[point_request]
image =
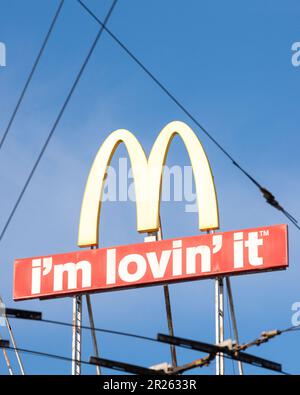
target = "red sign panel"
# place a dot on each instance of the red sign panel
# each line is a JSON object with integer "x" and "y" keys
{"x": 144, "y": 264}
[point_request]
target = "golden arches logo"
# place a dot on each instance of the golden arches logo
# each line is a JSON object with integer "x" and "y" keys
{"x": 147, "y": 174}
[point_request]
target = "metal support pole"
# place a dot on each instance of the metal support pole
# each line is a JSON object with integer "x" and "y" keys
{"x": 233, "y": 318}
{"x": 219, "y": 314}
{"x": 170, "y": 324}
{"x": 76, "y": 338}
{"x": 219, "y": 320}
{"x": 6, "y": 357}
{"x": 14, "y": 345}
{"x": 158, "y": 236}
{"x": 92, "y": 325}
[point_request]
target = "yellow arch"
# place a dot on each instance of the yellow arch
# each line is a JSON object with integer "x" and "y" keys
{"x": 148, "y": 181}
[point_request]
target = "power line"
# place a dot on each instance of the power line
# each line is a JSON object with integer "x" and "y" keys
{"x": 91, "y": 50}
{"x": 111, "y": 364}
{"x": 205, "y": 362}
{"x": 47, "y": 355}
{"x": 110, "y": 331}
{"x": 29, "y": 78}
{"x": 115, "y": 365}
{"x": 291, "y": 329}
{"x": 102, "y": 330}
{"x": 37, "y": 316}
{"x": 269, "y": 197}
{"x": 265, "y": 336}
{"x": 214, "y": 349}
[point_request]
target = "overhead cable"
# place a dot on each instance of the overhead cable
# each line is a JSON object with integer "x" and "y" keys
{"x": 30, "y": 76}
{"x": 54, "y": 127}
{"x": 269, "y": 197}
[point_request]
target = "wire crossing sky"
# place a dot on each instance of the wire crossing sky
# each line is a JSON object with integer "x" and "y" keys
{"x": 66, "y": 102}
{"x": 265, "y": 337}
{"x": 239, "y": 80}
{"x": 30, "y": 76}
{"x": 270, "y": 198}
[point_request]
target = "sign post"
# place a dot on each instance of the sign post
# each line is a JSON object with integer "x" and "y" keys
{"x": 156, "y": 261}
{"x": 76, "y": 337}
{"x": 219, "y": 306}
{"x": 153, "y": 237}
{"x": 7, "y": 360}
{"x": 233, "y": 318}
{"x": 92, "y": 326}
{"x": 9, "y": 328}
{"x": 93, "y": 333}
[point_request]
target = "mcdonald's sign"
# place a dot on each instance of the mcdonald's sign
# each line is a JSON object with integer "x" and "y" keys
{"x": 156, "y": 262}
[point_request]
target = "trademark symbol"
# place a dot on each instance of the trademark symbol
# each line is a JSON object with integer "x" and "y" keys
{"x": 264, "y": 233}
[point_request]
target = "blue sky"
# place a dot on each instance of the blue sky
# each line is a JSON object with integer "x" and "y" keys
{"x": 230, "y": 63}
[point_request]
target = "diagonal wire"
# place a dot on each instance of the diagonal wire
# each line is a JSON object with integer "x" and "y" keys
{"x": 47, "y": 355}
{"x": 91, "y": 50}
{"x": 292, "y": 329}
{"x": 269, "y": 197}
{"x": 29, "y": 78}
{"x": 102, "y": 330}
{"x": 68, "y": 359}
{"x": 266, "y": 336}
